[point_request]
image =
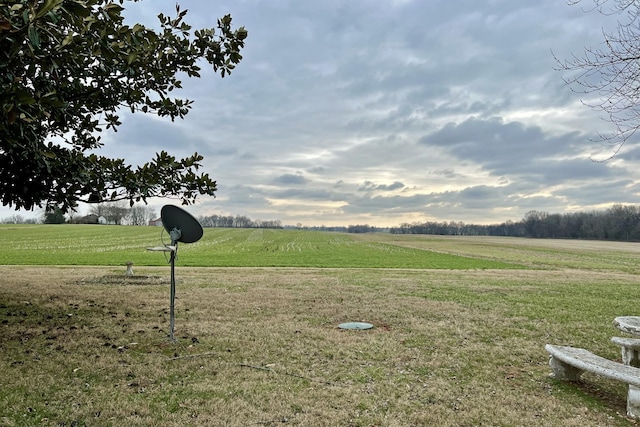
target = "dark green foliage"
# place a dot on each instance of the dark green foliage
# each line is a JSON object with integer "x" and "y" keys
{"x": 54, "y": 216}
{"x": 67, "y": 68}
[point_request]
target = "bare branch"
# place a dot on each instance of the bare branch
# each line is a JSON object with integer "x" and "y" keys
{"x": 611, "y": 73}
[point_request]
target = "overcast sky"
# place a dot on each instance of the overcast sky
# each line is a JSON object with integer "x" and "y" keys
{"x": 388, "y": 111}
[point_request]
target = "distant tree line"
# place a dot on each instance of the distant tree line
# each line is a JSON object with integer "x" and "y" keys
{"x": 237, "y": 221}
{"x": 453, "y": 228}
{"x": 359, "y": 228}
{"x": 116, "y": 213}
{"x": 101, "y": 213}
{"x": 620, "y": 222}
{"x": 18, "y": 219}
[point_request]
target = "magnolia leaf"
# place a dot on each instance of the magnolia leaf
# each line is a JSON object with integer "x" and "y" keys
{"x": 34, "y": 38}
{"x": 47, "y": 7}
{"x": 68, "y": 39}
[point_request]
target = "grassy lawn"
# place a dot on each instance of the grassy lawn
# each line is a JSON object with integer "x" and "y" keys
{"x": 115, "y": 245}
{"x": 451, "y": 346}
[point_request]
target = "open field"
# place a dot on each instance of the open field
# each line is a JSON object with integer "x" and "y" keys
{"x": 115, "y": 245}
{"x": 83, "y": 345}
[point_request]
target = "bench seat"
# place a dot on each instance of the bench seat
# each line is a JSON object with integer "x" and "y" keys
{"x": 568, "y": 364}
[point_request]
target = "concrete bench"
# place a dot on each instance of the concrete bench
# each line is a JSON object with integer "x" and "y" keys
{"x": 568, "y": 363}
{"x": 630, "y": 350}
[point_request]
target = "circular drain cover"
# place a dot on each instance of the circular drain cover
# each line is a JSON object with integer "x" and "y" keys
{"x": 355, "y": 325}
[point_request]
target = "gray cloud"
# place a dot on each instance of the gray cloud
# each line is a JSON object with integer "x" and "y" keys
{"x": 516, "y": 150}
{"x": 290, "y": 179}
{"x": 372, "y": 186}
{"x": 391, "y": 111}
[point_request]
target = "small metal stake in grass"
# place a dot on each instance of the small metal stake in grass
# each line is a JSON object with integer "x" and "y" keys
{"x": 182, "y": 227}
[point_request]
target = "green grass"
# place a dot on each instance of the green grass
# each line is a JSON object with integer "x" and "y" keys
{"x": 456, "y": 345}
{"x": 534, "y": 253}
{"x": 115, "y": 245}
{"x": 260, "y": 346}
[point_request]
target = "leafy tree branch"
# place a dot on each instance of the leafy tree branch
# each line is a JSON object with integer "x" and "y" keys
{"x": 68, "y": 68}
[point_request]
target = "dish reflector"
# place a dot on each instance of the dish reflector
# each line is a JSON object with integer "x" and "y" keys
{"x": 175, "y": 218}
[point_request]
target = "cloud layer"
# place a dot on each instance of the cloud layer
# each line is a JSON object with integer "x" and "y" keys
{"x": 384, "y": 112}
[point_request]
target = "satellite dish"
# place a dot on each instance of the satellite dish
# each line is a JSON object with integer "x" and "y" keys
{"x": 175, "y": 219}
{"x": 182, "y": 227}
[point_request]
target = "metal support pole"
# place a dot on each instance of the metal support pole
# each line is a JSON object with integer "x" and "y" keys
{"x": 173, "y": 292}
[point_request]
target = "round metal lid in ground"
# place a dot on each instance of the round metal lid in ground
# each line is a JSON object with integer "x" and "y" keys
{"x": 355, "y": 325}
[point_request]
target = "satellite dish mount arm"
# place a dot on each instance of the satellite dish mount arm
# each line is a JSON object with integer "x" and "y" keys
{"x": 175, "y": 235}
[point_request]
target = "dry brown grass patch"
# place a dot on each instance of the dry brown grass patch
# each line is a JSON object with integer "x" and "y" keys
{"x": 262, "y": 347}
